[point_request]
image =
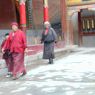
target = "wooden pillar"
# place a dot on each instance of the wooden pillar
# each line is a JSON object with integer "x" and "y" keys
{"x": 70, "y": 39}
{"x": 67, "y": 29}
{"x": 22, "y": 15}
{"x": 63, "y": 19}
{"x": 46, "y": 13}
{"x": 79, "y": 29}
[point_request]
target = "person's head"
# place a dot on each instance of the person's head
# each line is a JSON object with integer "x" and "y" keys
{"x": 47, "y": 24}
{"x": 14, "y": 26}
{"x": 6, "y": 35}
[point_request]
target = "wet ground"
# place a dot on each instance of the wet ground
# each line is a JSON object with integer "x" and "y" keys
{"x": 71, "y": 75}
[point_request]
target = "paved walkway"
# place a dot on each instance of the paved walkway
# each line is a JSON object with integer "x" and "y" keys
{"x": 36, "y": 59}
{"x": 70, "y": 75}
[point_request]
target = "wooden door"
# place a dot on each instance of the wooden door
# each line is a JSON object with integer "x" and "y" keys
{"x": 86, "y": 26}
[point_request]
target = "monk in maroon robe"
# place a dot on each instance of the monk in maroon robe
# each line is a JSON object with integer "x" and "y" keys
{"x": 5, "y": 46}
{"x": 17, "y": 48}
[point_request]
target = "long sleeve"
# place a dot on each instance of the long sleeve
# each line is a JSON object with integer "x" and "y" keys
{"x": 2, "y": 45}
{"x": 6, "y": 44}
{"x": 24, "y": 40}
{"x": 42, "y": 37}
{"x": 54, "y": 34}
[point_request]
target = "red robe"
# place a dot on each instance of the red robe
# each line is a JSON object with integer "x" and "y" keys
{"x": 17, "y": 47}
{"x": 3, "y": 43}
{"x": 6, "y": 46}
{"x": 18, "y": 41}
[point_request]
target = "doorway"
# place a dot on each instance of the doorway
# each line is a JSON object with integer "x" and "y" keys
{"x": 86, "y": 28}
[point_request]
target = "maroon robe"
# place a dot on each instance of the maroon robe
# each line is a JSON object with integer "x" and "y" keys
{"x": 6, "y": 46}
{"x": 18, "y": 45}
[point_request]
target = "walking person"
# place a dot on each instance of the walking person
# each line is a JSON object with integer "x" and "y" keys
{"x": 49, "y": 37}
{"x": 17, "y": 48}
{"x": 5, "y": 47}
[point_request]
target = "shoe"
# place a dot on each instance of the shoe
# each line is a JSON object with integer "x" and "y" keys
{"x": 9, "y": 75}
{"x": 50, "y": 61}
{"x": 18, "y": 76}
{"x": 24, "y": 73}
{"x": 14, "y": 78}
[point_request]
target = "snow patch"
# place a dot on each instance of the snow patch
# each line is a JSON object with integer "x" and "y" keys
{"x": 19, "y": 90}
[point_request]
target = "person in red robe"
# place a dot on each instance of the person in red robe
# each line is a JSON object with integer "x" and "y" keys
{"x": 17, "y": 48}
{"x": 5, "y": 46}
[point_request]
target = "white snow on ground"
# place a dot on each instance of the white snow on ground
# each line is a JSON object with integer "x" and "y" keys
{"x": 70, "y": 93}
{"x": 76, "y": 63}
{"x": 29, "y": 94}
{"x": 7, "y": 84}
{"x": 68, "y": 75}
{"x": 19, "y": 90}
{"x": 50, "y": 89}
{"x": 73, "y": 68}
{"x": 1, "y": 93}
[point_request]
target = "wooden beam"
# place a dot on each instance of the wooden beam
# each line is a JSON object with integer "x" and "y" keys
{"x": 63, "y": 18}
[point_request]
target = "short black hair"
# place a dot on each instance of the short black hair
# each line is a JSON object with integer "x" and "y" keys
{"x": 6, "y": 34}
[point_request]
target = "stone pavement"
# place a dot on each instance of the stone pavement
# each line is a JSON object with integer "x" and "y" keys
{"x": 34, "y": 58}
{"x": 71, "y": 75}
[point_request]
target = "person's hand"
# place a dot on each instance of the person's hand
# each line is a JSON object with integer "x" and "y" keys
{"x": 2, "y": 50}
{"x": 55, "y": 41}
{"x": 41, "y": 42}
{"x": 26, "y": 50}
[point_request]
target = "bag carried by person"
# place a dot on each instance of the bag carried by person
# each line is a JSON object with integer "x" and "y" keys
{"x": 7, "y": 54}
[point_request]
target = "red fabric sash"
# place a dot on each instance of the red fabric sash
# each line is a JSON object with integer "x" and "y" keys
{"x": 46, "y": 31}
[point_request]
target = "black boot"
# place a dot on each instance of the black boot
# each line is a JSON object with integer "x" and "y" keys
{"x": 50, "y": 61}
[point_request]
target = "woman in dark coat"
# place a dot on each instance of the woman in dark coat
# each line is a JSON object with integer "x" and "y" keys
{"x": 49, "y": 37}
